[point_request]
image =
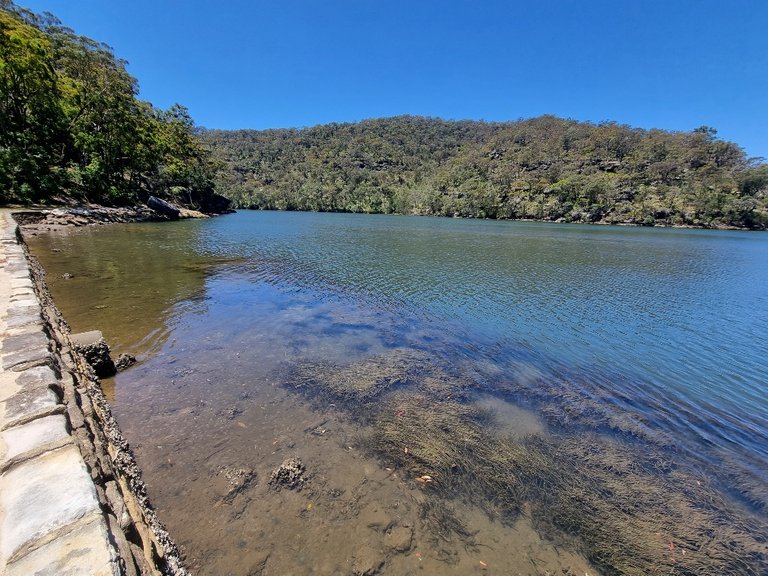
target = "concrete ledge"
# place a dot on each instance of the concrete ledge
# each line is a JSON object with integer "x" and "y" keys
{"x": 36, "y": 437}
{"x": 69, "y": 554}
{"x": 29, "y": 404}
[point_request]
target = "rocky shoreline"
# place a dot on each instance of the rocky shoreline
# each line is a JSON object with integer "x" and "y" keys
{"x": 142, "y": 543}
{"x": 35, "y": 221}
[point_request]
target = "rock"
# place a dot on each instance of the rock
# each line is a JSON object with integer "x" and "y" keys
{"x": 289, "y": 474}
{"x": 399, "y": 539}
{"x": 367, "y": 562}
{"x": 125, "y": 361}
{"x": 239, "y": 479}
{"x": 233, "y": 412}
{"x": 216, "y": 204}
{"x": 163, "y": 207}
{"x": 94, "y": 349}
{"x": 609, "y": 165}
{"x": 187, "y": 213}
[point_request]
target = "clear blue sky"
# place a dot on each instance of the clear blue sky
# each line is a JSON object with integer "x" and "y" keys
{"x": 673, "y": 64}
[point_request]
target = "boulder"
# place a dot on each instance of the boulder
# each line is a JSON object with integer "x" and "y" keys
{"x": 215, "y": 204}
{"x": 164, "y": 208}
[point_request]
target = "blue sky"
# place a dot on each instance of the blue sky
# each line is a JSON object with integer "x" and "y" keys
{"x": 672, "y": 64}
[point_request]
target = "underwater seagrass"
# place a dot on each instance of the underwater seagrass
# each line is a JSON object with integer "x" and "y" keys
{"x": 629, "y": 506}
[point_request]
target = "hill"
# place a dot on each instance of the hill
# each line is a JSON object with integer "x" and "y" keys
{"x": 544, "y": 168}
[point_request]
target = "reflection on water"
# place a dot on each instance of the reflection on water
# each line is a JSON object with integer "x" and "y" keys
{"x": 603, "y": 385}
{"x": 125, "y": 282}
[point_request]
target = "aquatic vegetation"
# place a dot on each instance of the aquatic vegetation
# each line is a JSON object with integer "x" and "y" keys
{"x": 447, "y": 440}
{"x": 637, "y": 512}
{"x": 631, "y": 507}
{"x": 440, "y": 519}
{"x": 359, "y": 382}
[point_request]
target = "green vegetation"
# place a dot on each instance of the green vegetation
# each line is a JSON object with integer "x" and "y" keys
{"x": 631, "y": 506}
{"x": 544, "y": 168}
{"x": 71, "y": 125}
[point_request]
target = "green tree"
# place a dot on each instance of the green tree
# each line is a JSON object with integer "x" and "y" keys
{"x": 71, "y": 123}
{"x": 31, "y": 117}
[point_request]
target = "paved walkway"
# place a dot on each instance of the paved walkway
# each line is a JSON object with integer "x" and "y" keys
{"x": 51, "y": 522}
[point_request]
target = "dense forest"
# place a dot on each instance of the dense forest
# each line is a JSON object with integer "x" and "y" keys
{"x": 72, "y": 127}
{"x": 543, "y": 168}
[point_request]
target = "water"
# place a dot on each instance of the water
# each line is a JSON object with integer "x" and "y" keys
{"x": 652, "y": 338}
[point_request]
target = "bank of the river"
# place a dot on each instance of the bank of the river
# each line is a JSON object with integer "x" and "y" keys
{"x": 43, "y": 220}
{"x": 71, "y": 496}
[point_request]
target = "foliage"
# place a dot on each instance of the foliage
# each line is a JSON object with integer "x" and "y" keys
{"x": 71, "y": 124}
{"x": 544, "y": 168}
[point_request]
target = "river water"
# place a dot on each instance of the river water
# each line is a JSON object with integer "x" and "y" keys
{"x": 466, "y": 396}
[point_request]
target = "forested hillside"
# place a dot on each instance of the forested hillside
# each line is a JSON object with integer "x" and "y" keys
{"x": 72, "y": 127}
{"x": 542, "y": 168}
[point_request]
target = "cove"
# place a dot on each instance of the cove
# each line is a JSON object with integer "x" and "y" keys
{"x": 580, "y": 398}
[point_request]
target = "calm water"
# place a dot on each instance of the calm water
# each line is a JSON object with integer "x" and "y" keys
{"x": 653, "y": 338}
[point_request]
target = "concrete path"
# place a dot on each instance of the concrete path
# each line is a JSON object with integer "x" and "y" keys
{"x": 51, "y": 522}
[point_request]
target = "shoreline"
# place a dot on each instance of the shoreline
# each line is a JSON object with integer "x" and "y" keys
{"x": 42, "y": 219}
{"x": 531, "y": 220}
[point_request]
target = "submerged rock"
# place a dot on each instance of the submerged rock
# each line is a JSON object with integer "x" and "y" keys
{"x": 399, "y": 539}
{"x": 289, "y": 474}
{"x": 367, "y": 562}
{"x": 125, "y": 361}
{"x": 92, "y": 346}
{"x": 239, "y": 479}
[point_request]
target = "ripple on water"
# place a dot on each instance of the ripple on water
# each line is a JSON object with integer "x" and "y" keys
{"x": 647, "y": 338}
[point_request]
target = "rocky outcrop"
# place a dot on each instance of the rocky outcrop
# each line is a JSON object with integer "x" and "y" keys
{"x": 35, "y": 222}
{"x": 92, "y": 346}
{"x": 165, "y": 208}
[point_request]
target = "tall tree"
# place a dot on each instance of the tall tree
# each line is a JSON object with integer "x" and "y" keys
{"x": 72, "y": 124}
{"x": 31, "y": 118}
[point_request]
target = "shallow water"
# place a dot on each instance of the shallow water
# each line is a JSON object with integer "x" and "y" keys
{"x": 655, "y": 339}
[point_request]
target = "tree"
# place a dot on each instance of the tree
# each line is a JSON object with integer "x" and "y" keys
{"x": 31, "y": 118}
{"x": 71, "y": 123}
